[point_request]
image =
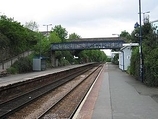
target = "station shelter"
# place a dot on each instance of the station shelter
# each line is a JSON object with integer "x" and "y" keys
{"x": 125, "y": 55}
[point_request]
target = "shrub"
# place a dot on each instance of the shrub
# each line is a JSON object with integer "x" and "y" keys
{"x": 128, "y": 70}
{"x": 108, "y": 60}
{"x": 23, "y": 65}
{"x": 64, "y": 62}
{"x": 12, "y": 70}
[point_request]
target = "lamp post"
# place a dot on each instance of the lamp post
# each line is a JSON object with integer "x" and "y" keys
{"x": 140, "y": 44}
{"x": 47, "y": 27}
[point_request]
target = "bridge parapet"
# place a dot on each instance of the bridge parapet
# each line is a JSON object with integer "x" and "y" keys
{"x": 89, "y": 43}
{"x": 98, "y": 39}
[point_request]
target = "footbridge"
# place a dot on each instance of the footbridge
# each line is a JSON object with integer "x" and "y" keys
{"x": 87, "y": 44}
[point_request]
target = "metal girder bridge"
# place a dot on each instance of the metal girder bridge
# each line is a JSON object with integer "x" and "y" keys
{"x": 89, "y": 43}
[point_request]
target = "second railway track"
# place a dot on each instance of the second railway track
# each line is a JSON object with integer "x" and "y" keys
{"x": 16, "y": 107}
{"x": 66, "y": 107}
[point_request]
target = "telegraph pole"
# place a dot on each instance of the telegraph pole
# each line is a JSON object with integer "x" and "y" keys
{"x": 140, "y": 44}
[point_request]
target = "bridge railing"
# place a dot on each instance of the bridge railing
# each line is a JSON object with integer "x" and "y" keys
{"x": 108, "y": 44}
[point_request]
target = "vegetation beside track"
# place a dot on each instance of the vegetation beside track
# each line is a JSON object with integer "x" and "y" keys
{"x": 16, "y": 38}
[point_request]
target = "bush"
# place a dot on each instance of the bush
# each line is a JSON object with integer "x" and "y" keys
{"x": 64, "y": 62}
{"x": 12, "y": 70}
{"x": 108, "y": 60}
{"x": 128, "y": 70}
{"x": 23, "y": 65}
{"x": 115, "y": 59}
{"x": 151, "y": 68}
{"x": 134, "y": 65}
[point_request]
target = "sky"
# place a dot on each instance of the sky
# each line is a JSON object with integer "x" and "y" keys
{"x": 87, "y": 18}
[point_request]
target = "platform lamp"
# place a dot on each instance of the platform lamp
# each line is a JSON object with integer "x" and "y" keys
{"x": 47, "y": 25}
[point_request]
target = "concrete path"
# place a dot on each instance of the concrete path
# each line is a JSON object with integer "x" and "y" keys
{"x": 117, "y": 95}
{"x": 130, "y": 98}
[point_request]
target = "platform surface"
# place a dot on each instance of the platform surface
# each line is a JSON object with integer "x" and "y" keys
{"x": 10, "y": 79}
{"x": 117, "y": 95}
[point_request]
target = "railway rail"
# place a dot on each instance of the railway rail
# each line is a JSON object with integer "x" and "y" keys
{"x": 67, "y": 106}
{"x": 18, "y": 102}
{"x": 16, "y": 89}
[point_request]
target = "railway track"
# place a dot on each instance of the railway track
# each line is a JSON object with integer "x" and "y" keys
{"x": 68, "y": 104}
{"x": 21, "y": 88}
{"x": 10, "y": 108}
{"x": 15, "y": 104}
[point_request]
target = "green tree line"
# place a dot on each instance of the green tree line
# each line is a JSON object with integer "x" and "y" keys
{"x": 16, "y": 38}
{"x": 150, "y": 55}
{"x": 149, "y": 51}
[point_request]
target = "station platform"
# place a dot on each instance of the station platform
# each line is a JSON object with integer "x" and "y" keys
{"x": 11, "y": 79}
{"x": 117, "y": 95}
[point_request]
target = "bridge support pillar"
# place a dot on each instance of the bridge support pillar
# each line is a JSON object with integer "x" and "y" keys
{"x": 53, "y": 59}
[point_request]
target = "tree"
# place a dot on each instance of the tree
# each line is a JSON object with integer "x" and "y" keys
{"x": 13, "y": 30}
{"x": 135, "y": 35}
{"x": 92, "y": 56}
{"x": 74, "y": 36}
{"x": 54, "y": 38}
{"x": 4, "y": 41}
{"x": 4, "y": 48}
{"x": 127, "y": 37}
{"x": 83, "y": 56}
{"x": 115, "y": 59}
{"x": 150, "y": 56}
{"x": 61, "y": 32}
{"x": 134, "y": 66}
{"x": 32, "y": 25}
{"x": 19, "y": 38}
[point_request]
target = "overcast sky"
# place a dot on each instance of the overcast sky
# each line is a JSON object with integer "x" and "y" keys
{"x": 87, "y": 18}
